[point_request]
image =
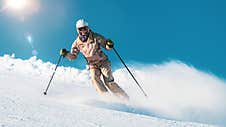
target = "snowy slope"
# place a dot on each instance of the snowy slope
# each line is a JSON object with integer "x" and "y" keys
{"x": 73, "y": 102}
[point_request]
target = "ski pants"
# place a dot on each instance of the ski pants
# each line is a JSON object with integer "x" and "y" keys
{"x": 104, "y": 69}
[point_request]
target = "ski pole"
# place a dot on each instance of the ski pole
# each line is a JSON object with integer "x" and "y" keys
{"x": 52, "y": 75}
{"x": 129, "y": 72}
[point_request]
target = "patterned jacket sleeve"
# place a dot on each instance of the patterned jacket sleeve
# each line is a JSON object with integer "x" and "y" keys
{"x": 101, "y": 40}
{"x": 74, "y": 49}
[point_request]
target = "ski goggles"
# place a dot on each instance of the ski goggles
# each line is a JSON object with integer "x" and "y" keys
{"x": 85, "y": 28}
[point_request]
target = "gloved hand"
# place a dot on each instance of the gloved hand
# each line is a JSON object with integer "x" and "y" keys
{"x": 63, "y": 52}
{"x": 110, "y": 43}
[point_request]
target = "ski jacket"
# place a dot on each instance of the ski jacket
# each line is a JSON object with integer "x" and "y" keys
{"x": 91, "y": 48}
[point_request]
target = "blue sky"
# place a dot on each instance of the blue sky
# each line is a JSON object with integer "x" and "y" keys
{"x": 149, "y": 32}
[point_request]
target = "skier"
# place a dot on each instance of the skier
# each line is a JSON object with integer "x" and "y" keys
{"x": 89, "y": 44}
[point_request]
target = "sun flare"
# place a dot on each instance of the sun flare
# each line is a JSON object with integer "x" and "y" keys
{"x": 17, "y": 4}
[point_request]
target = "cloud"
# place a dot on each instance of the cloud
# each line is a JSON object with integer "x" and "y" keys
{"x": 175, "y": 90}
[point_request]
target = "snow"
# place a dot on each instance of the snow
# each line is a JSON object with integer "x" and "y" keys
{"x": 179, "y": 96}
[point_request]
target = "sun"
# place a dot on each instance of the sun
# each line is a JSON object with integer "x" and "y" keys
{"x": 20, "y": 8}
{"x": 17, "y": 4}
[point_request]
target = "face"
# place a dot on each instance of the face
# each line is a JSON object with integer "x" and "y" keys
{"x": 83, "y": 33}
{"x": 83, "y": 30}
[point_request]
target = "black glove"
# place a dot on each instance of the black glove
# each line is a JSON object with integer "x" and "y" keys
{"x": 63, "y": 52}
{"x": 110, "y": 43}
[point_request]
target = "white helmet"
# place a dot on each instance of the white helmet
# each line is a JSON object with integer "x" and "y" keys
{"x": 81, "y": 23}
